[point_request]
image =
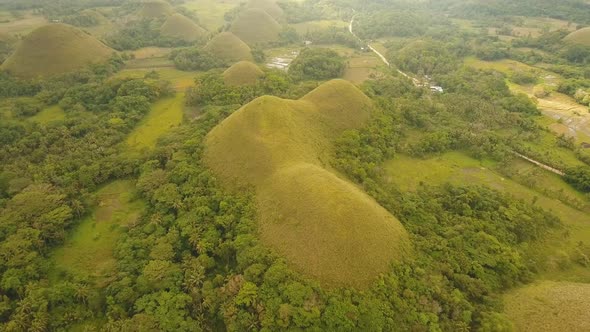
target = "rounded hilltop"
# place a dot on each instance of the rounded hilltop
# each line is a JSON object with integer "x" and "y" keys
{"x": 325, "y": 226}
{"x": 255, "y": 26}
{"x": 181, "y": 27}
{"x": 242, "y": 73}
{"x": 229, "y": 47}
{"x": 269, "y": 6}
{"x": 155, "y": 9}
{"x": 55, "y": 49}
{"x": 581, "y": 37}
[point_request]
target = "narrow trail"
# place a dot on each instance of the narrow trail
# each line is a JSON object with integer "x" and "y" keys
{"x": 543, "y": 166}
{"x": 381, "y": 56}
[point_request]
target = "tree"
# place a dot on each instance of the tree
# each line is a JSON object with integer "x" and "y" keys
{"x": 317, "y": 64}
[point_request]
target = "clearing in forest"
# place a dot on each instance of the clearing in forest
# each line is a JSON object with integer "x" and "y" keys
{"x": 324, "y": 225}
{"x": 88, "y": 250}
{"x": 165, "y": 114}
{"x": 48, "y": 115}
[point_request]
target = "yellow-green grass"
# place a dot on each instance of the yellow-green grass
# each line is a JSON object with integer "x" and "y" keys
{"x": 268, "y": 6}
{"x": 310, "y": 26}
{"x": 180, "y": 27}
{"x": 151, "y": 52}
{"x": 242, "y": 73}
{"x": 360, "y": 68}
{"x": 55, "y": 49}
{"x": 581, "y": 37}
{"x": 505, "y": 66}
{"x": 549, "y": 307}
{"x": 255, "y": 26}
{"x": 48, "y": 115}
{"x": 149, "y": 63}
{"x": 155, "y": 9}
{"x": 23, "y": 26}
{"x": 179, "y": 79}
{"x": 211, "y": 12}
{"x": 165, "y": 114}
{"x": 325, "y": 226}
{"x": 88, "y": 250}
{"x": 229, "y": 47}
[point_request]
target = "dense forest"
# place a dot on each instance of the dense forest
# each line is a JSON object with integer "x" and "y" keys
{"x": 114, "y": 218}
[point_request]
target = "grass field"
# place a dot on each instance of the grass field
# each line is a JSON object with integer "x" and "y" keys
{"x": 550, "y": 307}
{"x": 165, "y": 114}
{"x": 242, "y": 73}
{"x": 22, "y": 26}
{"x": 181, "y": 27}
{"x": 229, "y": 47}
{"x": 581, "y": 36}
{"x": 151, "y": 52}
{"x": 305, "y": 27}
{"x": 180, "y": 79}
{"x": 278, "y": 146}
{"x": 48, "y": 115}
{"x": 88, "y": 250}
{"x": 361, "y": 67}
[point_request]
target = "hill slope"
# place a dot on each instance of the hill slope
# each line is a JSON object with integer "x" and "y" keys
{"x": 255, "y": 26}
{"x": 581, "y": 36}
{"x": 155, "y": 9}
{"x": 242, "y": 73}
{"x": 229, "y": 47}
{"x": 268, "y": 6}
{"x": 180, "y": 27}
{"x": 550, "y": 307}
{"x": 324, "y": 225}
{"x": 55, "y": 49}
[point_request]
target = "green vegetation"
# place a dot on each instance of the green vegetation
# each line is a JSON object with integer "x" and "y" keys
{"x": 88, "y": 251}
{"x": 165, "y": 114}
{"x": 317, "y": 64}
{"x": 549, "y": 306}
{"x": 276, "y": 145}
{"x": 48, "y": 115}
{"x": 180, "y": 27}
{"x": 227, "y": 47}
{"x": 55, "y": 49}
{"x": 269, "y": 6}
{"x": 242, "y": 73}
{"x": 255, "y": 26}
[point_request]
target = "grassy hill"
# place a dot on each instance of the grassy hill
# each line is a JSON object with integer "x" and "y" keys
{"x": 55, "y": 49}
{"x": 180, "y": 27}
{"x": 255, "y": 26}
{"x": 155, "y": 9}
{"x": 550, "y": 307}
{"x": 268, "y": 6}
{"x": 324, "y": 225}
{"x": 242, "y": 73}
{"x": 229, "y": 47}
{"x": 581, "y": 36}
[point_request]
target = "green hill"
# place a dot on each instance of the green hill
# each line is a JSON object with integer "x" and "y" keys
{"x": 155, "y": 9}
{"x": 255, "y": 26}
{"x": 324, "y": 225}
{"x": 55, "y": 49}
{"x": 581, "y": 36}
{"x": 268, "y": 6}
{"x": 229, "y": 47}
{"x": 549, "y": 307}
{"x": 242, "y": 73}
{"x": 180, "y": 27}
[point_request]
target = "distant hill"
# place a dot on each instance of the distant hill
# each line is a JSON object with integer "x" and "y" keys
{"x": 155, "y": 9}
{"x": 255, "y": 26}
{"x": 268, "y": 6}
{"x": 229, "y": 47}
{"x": 242, "y": 73}
{"x": 581, "y": 36}
{"x": 55, "y": 49}
{"x": 180, "y": 27}
{"x": 324, "y": 225}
